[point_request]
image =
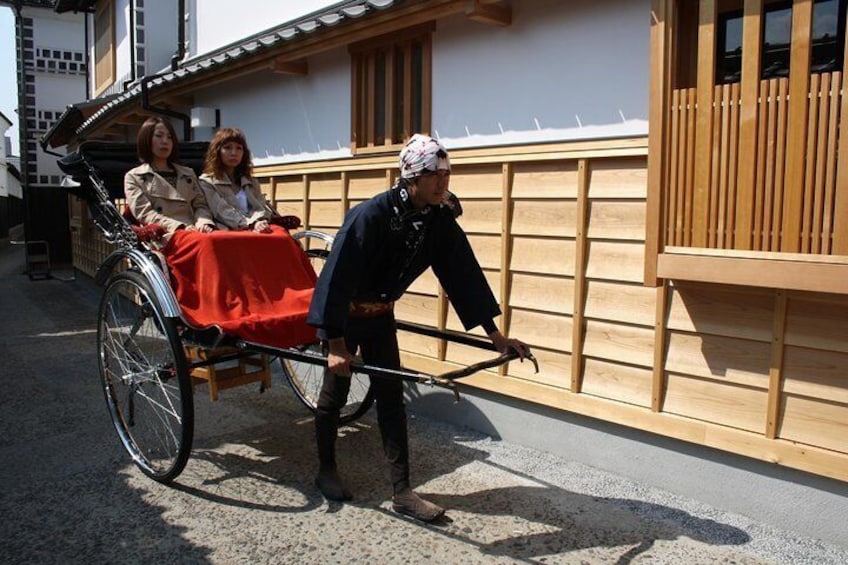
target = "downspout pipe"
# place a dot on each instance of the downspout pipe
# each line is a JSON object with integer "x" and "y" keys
{"x": 133, "y": 59}
{"x": 145, "y": 104}
{"x": 181, "y": 37}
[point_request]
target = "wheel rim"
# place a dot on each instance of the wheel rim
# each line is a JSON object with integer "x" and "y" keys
{"x": 306, "y": 379}
{"x": 141, "y": 367}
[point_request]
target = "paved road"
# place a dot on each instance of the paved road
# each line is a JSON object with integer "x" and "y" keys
{"x": 68, "y": 493}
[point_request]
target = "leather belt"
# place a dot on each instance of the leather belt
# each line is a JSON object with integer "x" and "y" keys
{"x": 370, "y": 309}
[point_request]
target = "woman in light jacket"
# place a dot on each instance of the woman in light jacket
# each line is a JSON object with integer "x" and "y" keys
{"x": 160, "y": 191}
{"x": 227, "y": 181}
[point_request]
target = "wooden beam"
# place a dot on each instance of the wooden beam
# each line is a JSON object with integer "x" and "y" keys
{"x": 775, "y": 390}
{"x": 285, "y": 66}
{"x": 659, "y": 381}
{"x": 704, "y": 121}
{"x": 506, "y": 251}
{"x": 658, "y": 137}
{"x": 748, "y": 122}
{"x": 491, "y": 13}
{"x": 840, "y": 216}
{"x": 796, "y": 144}
{"x": 762, "y": 273}
{"x": 581, "y": 253}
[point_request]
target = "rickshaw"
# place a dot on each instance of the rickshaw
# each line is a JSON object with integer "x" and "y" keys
{"x": 142, "y": 335}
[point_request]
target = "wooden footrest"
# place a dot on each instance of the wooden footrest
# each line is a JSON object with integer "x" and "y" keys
{"x": 229, "y": 372}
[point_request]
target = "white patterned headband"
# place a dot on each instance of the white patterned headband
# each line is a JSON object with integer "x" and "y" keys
{"x": 422, "y": 154}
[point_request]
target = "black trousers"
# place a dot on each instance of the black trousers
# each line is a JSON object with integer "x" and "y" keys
{"x": 376, "y": 340}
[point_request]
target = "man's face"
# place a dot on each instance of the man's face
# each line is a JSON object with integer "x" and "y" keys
{"x": 430, "y": 188}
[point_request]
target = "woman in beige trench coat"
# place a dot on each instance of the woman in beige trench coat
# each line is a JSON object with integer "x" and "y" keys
{"x": 160, "y": 191}
{"x": 227, "y": 181}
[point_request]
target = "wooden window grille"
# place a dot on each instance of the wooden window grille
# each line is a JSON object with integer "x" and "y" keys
{"x": 391, "y": 89}
{"x": 104, "y": 46}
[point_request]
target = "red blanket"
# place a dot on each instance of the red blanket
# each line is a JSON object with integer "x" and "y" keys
{"x": 255, "y": 286}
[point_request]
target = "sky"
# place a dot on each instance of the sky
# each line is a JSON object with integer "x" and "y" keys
{"x": 8, "y": 74}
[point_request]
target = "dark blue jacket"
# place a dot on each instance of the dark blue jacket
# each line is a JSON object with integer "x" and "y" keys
{"x": 383, "y": 245}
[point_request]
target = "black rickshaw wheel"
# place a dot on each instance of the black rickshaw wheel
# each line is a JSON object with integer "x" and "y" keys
{"x": 145, "y": 377}
{"x": 306, "y": 379}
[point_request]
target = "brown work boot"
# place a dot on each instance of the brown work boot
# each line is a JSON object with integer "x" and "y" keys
{"x": 331, "y": 486}
{"x": 409, "y": 503}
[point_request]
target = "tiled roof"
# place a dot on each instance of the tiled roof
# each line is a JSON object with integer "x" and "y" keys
{"x": 249, "y": 47}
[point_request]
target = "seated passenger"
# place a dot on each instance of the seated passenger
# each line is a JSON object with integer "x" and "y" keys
{"x": 228, "y": 184}
{"x": 160, "y": 191}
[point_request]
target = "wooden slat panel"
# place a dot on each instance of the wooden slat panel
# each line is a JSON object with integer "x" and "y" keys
{"x": 689, "y": 176}
{"x": 470, "y": 182}
{"x": 418, "y": 344}
{"x": 487, "y": 249}
{"x": 289, "y": 208}
{"x": 633, "y": 304}
{"x": 631, "y": 385}
{"x": 325, "y": 187}
{"x": 823, "y": 119}
{"x": 672, "y": 180}
{"x": 553, "y": 179}
{"x": 289, "y": 188}
{"x": 544, "y": 256}
{"x": 481, "y": 216}
{"x": 615, "y": 261}
{"x": 817, "y": 324}
{"x": 544, "y": 217}
{"x": 427, "y": 283}
{"x": 779, "y": 163}
{"x": 817, "y": 375}
{"x": 799, "y": 81}
{"x": 815, "y": 423}
{"x": 751, "y": 57}
{"x": 617, "y": 220}
{"x": 554, "y": 368}
{"x": 810, "y": 159}
{"x": 830, "y": 169}
{"x": 721, "y": 359}
{"x": 364, "y": 185}
{"x": 325, "y": 213}
{"x": 726, "y": 404}
{"x": 742, "y": 313}
{"x": 542, "y": 329}
{"x": 721, "y": 117}
{"x": 618, "y": 342}
{"x": 417, "y": 308}
{"x": 539, "y": 292}
{"x": 618, "y": 178}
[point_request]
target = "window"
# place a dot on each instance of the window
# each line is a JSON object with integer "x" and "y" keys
{"x": 391, "y": 89}
{"x": 104, "y": 40}
{"x": 828, "y": 37}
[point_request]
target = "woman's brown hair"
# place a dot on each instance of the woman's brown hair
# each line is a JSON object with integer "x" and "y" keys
{"x": 145, "y": 140}
{"x": 212, "y": 164}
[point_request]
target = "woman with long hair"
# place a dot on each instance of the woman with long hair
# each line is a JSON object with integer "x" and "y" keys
{"x": 160, "y": 190}
{"x": 227, "y": 181}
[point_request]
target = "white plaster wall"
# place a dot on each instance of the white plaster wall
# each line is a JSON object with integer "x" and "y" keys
{"x": 123, "y": 55}
{"x": 286, "y": 115}
{"x": 57, "y": 31}
{"x": 221, "y": 22}
{"x": 562, "y": 70}
{"x": 564, "y": 66}
{"x": 160, "y": 29}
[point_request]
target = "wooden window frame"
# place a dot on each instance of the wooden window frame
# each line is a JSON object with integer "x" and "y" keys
{"x": 104, "y": 46}
{"x": 376, "y": 62}
{"x": 787, "y": 266}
